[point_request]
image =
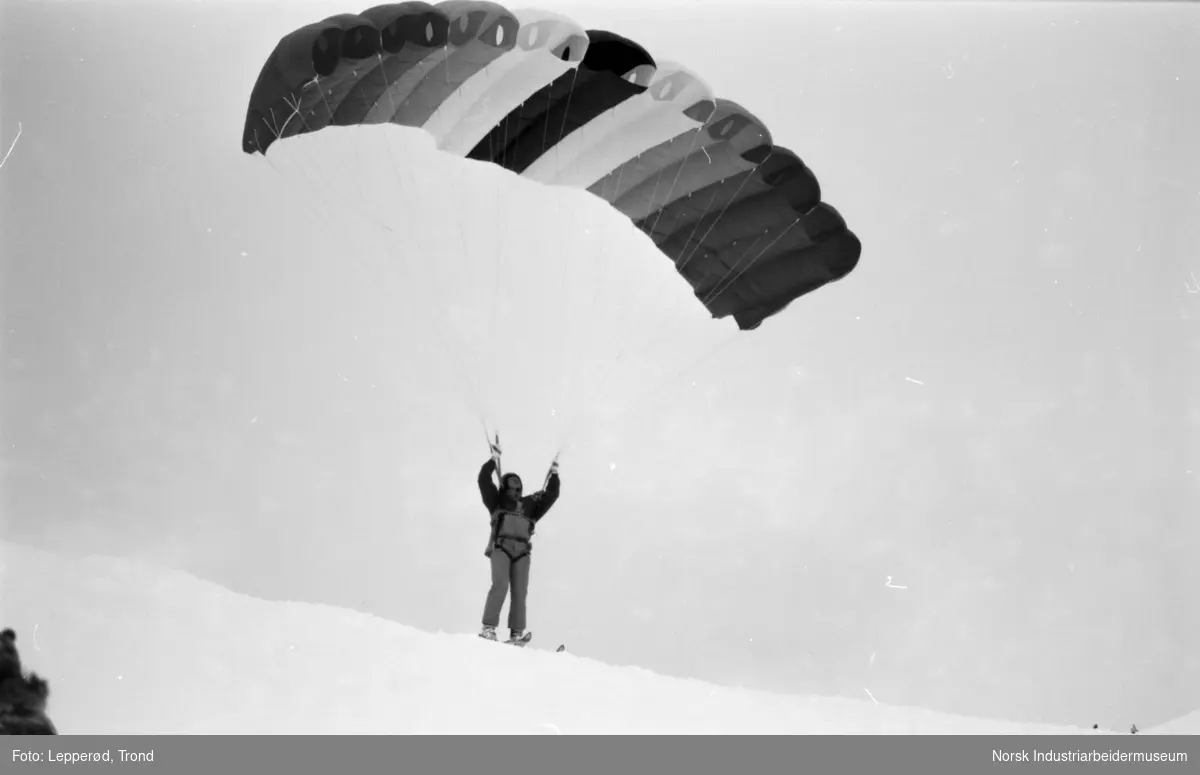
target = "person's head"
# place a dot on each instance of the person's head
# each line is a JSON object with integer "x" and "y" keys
{"x": 511, "y": 486}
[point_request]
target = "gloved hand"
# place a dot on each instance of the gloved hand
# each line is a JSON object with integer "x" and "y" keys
{"x": 553, "y": 469}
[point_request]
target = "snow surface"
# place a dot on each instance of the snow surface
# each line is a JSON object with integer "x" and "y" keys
{"x": 1188, "y": 724}
{"x": 132, "y": 648}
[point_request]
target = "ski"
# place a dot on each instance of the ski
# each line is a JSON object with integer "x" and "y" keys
{"x": 520, "y": 642}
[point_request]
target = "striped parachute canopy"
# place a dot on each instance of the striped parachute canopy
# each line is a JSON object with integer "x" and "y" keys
{"x": 536, "y": 94}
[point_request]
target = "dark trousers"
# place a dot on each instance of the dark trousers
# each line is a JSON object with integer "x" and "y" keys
{"x": 507, "y": 574}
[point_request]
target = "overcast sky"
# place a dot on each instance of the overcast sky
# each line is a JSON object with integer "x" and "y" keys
{"x": 964, "y": 478}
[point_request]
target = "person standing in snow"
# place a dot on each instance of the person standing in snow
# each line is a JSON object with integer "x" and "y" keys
{"x": 513, "y": 521}
{"x": 22, "y": 695}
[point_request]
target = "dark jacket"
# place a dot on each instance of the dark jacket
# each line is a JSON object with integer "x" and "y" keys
{"x": 22, "y": 695}
{"x": 534, "y": 506}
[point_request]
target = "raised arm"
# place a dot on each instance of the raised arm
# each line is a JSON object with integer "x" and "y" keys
{"x": 487, "y": 488}
{"x": 544, "y": 499}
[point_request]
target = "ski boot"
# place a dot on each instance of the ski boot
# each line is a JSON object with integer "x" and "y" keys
{"x": 488, "y": 632}
{"x": 518, "y": 638}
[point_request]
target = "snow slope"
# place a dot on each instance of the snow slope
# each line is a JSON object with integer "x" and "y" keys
{"x": 130, "y": 648}
{"x": 1188, "y": 724}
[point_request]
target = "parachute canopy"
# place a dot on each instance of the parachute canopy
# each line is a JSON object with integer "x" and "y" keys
{"x": 533, "y": 92}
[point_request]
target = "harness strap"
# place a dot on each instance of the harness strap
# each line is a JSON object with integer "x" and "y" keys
{"x": 505, "y": 540}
